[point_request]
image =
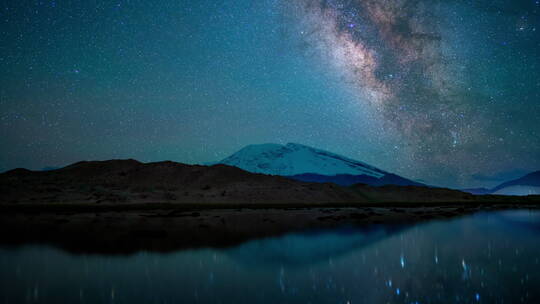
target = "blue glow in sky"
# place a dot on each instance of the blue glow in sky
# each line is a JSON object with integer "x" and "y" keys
{"x": 440, "y": 91}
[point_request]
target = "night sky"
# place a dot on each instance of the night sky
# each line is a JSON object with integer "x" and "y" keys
{"x": 447, "y": 92}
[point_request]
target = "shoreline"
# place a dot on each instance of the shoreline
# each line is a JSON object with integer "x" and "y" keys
{"x": 164, "y": 228}
{"x": 521, "y": 202}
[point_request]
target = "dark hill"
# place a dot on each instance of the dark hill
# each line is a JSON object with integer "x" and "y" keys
{"x": 120, "y": 181}
{"x": 130, "y": 181}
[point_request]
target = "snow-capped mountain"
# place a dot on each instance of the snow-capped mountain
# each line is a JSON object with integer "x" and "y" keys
{"x": 293, "y": 159}
{"x": 526, "y": 185}
{"x": 305, "y": 163}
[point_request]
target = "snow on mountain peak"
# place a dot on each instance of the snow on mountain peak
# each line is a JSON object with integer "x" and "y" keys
{"x": 293, "y": 159}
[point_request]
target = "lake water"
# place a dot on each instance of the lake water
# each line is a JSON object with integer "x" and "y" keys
{"x": 482, "y": 258}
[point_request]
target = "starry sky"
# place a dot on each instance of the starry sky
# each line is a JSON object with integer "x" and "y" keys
{"x": 446, "y": 92}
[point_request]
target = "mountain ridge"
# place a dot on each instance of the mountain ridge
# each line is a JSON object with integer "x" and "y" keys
{"x": 305, "y": 163}
{"x": 121, "y": 182}
{"x": 529, "y": 184}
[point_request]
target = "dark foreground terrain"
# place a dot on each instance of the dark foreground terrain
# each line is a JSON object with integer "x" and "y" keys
{"x": 121, "y": 182}
{"x": 123, "y": 206}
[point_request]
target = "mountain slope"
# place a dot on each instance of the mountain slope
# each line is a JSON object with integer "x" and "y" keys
{"x": 339, "y": 179}
{"x": 293, "y": 159}
{"x": 309, "y": 164}
{"x": 526, "y": 185}
{"x": 477, "y": 191}
{"x": 348, "y": 179}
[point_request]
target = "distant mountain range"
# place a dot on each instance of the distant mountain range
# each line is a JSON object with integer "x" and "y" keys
{"x": 256, "y": 173}
{"x": 526, "y": 185}
{"x": 307, "y": 164}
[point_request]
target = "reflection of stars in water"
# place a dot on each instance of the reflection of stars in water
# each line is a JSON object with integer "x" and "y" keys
{"x": 281, "y": 279}
{"x": 349, "y": 277}
{"x": 466, "y": 270}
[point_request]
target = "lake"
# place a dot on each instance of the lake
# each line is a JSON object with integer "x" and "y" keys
{"x": 480, "y": 258}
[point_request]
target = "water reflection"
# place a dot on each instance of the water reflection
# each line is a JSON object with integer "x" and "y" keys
{"x": 483, "y": 258}
{"x": 303, "y": 249}
{"x": 524, "y": 219}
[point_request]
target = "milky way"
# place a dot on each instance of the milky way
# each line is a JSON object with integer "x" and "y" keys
{"x": 394, "y": 54}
